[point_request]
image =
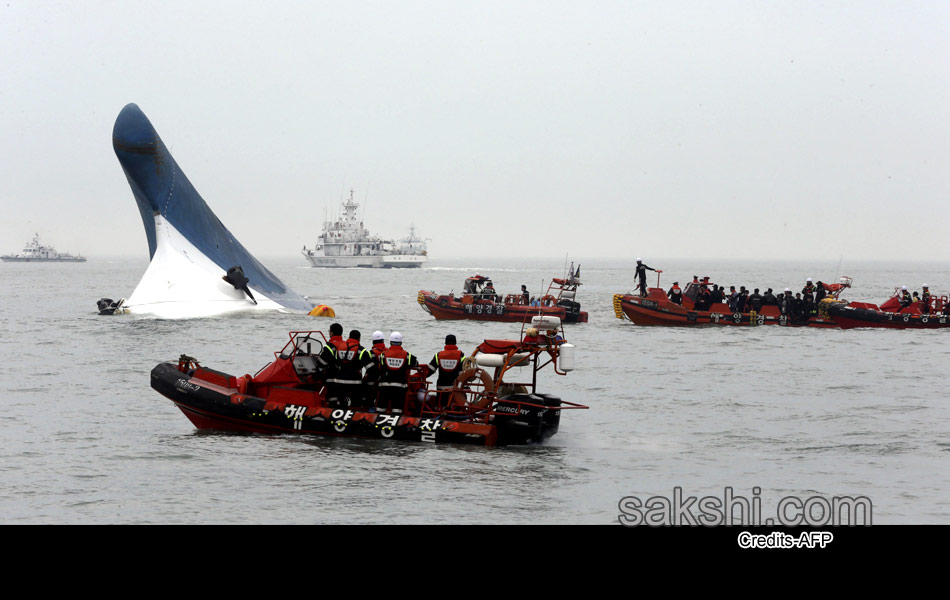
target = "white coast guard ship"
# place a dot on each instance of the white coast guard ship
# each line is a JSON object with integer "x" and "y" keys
{"x": 346, "y": 243}
{"x": 34, "y": 251}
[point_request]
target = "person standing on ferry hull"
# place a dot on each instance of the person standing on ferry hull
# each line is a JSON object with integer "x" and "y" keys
{"x": 641, "y": 274}
{"x": 448, "y": 363}
{"x": 394, "y": 366}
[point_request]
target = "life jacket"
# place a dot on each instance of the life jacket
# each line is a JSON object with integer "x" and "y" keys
{"x": 449, "y": 362}
{"x": 350, "y": 361}
{"x": 336, "y": 344}
{"x": 378, "y": 348}
{"x": 394, "y": 365}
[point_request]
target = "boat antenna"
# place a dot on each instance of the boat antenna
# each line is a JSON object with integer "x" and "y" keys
{"x": 365, "y": 199}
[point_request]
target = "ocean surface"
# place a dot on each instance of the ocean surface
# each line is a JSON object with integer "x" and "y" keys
{"x": 789, "y": 412}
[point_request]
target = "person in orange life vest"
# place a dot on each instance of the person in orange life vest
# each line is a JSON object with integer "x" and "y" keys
{"x": 448, "y": 363}
{"x": 676, "y": 294}
{"x": 394, "y": 366}
{"x": 347, "y": 382}
{"x": 925, "y": 300}
{"x": 371, "y": 377}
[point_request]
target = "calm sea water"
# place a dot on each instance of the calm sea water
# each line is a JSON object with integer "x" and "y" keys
{"x": 801, "y": 412}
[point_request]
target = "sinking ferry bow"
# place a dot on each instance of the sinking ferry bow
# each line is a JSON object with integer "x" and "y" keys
{"x": 197, "y": 268}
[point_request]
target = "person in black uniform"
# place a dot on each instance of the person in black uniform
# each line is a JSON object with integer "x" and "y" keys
{"x": 525, "y": 296}
{"x": 641, "y": 274}
{"x": 675, "y": 294}
{"x": 326, "y": 362}
{"x": 820, "y": 294}
{"x": 755, "y": 301}
{"x": 350, "y": 362}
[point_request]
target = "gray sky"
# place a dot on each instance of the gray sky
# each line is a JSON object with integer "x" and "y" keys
{"x": 675, "y": 129}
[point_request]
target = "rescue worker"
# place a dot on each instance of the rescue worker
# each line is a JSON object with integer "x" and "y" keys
{"x": 525, "y": 296}
{"x": 326, "y": 362}
{"x": 448, "y": 363}
{"x": 348, "y": 381}
{"x": 731, "y": 298}
{"x": 808, "y": 292}
{"x": 394, "y": 366}
{"x": 379, "y": 344}
{"x": 716, "y": 296}
{"x": 755, "y": 301}
{"x": 675, "y": 294}
{"x": 820, "y": 294}
{"x": 371, "y": 377}
{"x": 702, "y": 299}
{"x": 925, "y": 298}
{"x": 769, "y": 299}
{"x": 905, "y": 298}
{"x": 799, "y": 308}
{"x": 785, "y": 302}
{"x": 489, "y": 291}
{"x": 641, "y": 274}
{"x": 742, "y": 300}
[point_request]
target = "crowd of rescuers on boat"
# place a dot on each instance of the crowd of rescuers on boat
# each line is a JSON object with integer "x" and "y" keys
{"x": 488, "y": 292}
{"x": 802, "y": 304}
{"x": 377, "y": 378}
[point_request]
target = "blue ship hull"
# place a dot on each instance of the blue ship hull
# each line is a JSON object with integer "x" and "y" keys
{"x": 166, "y": 197}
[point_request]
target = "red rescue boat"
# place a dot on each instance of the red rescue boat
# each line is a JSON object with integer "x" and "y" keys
{"x": 288, "y": 395}
{"x": 480, "y": 303}
{"x": 932, "y": 314}
{"x": 656, "y": 308}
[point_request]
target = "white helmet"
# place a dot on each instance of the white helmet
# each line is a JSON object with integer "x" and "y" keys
{"x": 378, "y": 335}
{"x": 925, "y": 286}
{"x": 808, "y": 280}
{"x": 904, "y": 288}
{"x": 395, "y": 337}
{"x": 639, "y": 259}
{"x": 787, "y": 290}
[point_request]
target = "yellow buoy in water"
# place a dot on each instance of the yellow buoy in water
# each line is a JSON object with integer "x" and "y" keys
{"x": 322, "y": 310}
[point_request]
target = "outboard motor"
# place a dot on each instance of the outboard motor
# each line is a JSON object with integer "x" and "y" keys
{"x": 236, "y": 278}
{"x": 107, "y": 306}
{"x": 519, "y": 422}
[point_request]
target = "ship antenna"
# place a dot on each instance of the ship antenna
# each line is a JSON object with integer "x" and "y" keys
{"x": 365, "y": 200}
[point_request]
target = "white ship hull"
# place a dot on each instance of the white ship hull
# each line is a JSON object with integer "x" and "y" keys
{"x": 368, "y": 262}
{"x": 27, "y": 259}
